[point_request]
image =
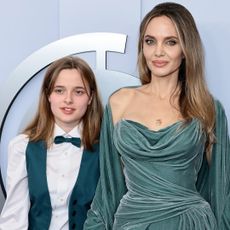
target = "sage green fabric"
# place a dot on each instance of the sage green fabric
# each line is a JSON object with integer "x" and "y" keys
{"x": 164, "y": 181}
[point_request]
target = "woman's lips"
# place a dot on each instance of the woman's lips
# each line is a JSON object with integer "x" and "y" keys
{"x": 159, "y": 63}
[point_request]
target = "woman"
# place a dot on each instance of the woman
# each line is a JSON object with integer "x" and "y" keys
{"x": 164, "y": 161}
{"x": 52, "y": 174}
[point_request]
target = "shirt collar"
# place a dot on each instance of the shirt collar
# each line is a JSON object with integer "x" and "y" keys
{"x": 75, "y": 132}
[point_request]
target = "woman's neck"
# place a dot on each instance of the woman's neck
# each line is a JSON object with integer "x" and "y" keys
{"x": 163, "y": 88}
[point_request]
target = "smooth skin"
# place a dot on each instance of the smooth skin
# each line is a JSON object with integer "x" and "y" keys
{"x": 69, "y": 99}
{"x": 158, "y": 99}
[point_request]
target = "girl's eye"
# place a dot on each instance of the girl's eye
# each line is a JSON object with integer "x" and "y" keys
{"x": 171, "y": 42}
{"x": 59, "y": 90}
{"x": 79, "y": 92}
{"x": 149, "y": 41}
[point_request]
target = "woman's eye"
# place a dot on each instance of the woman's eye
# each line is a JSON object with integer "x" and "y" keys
{"x": 171, "y": 42}
{"x": 149, "y": 41}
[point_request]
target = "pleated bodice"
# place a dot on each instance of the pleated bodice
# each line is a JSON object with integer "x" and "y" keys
{"x": 161, "y": 169}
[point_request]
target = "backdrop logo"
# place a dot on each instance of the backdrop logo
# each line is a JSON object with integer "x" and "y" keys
{"x": 16, "y": 108}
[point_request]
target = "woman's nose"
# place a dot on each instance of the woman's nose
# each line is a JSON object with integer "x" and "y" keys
{"x": 159, "y": 50}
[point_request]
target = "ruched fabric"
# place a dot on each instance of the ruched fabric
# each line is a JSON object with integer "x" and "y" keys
{"x": 160, "y": 180}
{"x": 160, "y": 169}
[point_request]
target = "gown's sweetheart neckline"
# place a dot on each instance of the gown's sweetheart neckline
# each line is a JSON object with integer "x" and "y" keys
{"x": 139, "y": 124}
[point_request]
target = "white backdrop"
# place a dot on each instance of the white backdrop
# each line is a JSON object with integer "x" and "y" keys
{"x": 29, "y": 26}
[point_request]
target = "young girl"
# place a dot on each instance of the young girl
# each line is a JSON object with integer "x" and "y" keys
{"x": 53, "y": 165}
{"x": 165, "y": 152}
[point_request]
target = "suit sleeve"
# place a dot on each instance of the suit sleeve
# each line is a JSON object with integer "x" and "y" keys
{"x": 111, "y": 186}
{"x": 15, "y": 211}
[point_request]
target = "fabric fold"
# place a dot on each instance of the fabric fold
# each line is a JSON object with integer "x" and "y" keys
{"x": 161, "y": 179}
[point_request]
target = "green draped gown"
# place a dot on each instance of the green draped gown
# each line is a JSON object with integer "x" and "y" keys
{"x": 160, "y": 180}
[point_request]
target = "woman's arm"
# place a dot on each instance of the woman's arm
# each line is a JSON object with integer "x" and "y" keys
{"x": 15, "y": 211}
{"x": 214, "y": 179}
{"x": 220, "y": 171}
{"x": 111, "y": 186}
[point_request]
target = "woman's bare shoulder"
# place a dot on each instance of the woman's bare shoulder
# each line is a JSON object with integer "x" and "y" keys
{"x": 123, "y": 93}
{"x": 119, "y": 101}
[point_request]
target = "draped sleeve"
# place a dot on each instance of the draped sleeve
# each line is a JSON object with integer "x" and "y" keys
{"x": 111, "y": 186}
{"x": 214, "y": 181}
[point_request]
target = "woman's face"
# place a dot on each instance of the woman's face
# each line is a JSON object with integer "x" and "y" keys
{"x": 161, "y": 48}
{"x": 69, "y": 99}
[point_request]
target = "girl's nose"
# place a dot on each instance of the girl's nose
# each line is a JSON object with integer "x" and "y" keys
{"x": 68, "y": 98}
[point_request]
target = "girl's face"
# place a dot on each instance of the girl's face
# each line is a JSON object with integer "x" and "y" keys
{"x": 161, "y": 48}
{"x": 69, "y": 99}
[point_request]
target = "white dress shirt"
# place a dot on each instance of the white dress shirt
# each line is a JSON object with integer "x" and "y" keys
{"x": 63, "y": 164}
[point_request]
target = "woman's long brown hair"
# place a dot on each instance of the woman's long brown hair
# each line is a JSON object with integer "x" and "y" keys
{"x": 195, "y": 100}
